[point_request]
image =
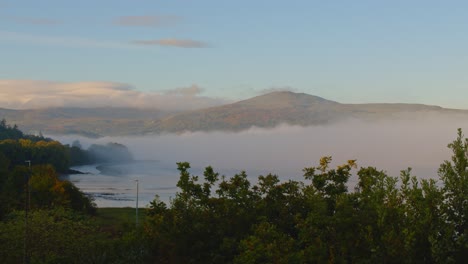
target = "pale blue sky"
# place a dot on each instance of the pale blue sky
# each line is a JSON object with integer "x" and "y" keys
{"x": 348, "y": 51}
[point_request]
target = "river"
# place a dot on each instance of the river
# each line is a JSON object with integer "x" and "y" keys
{"x": 114, "y": 185}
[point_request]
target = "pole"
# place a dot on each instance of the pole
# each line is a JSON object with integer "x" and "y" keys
{"x": 27, "y": 205}
{"x": 29, "y": 185}
{"x": 136, "y": 211}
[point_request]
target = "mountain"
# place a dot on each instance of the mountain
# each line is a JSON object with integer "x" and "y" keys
{"x": 266, "y": 111}
{"x": 90, "y": 122}
{"x": 290, "y": 108}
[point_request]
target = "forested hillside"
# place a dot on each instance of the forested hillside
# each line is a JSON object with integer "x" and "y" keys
{"x": 35, "y": 160}
{"x": 44, "y": 219}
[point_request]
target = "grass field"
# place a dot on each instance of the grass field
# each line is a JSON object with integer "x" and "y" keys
{"x": 117, "y": 220}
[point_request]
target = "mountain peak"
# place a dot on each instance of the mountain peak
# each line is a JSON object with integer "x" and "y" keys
{"x": 282, "y": 99}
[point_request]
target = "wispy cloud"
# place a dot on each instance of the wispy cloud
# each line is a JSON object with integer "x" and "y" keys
{"x": 71, "y": 41}
{"x": 147, "y": 21}
{"x": 192, "y": 90}
{"x": 60, "y": 41}
{"x": 37, "y": 21}
{"x": 172, "y": 42}
{"x": 24, "y": 94}
{"x": 277, "y": 89}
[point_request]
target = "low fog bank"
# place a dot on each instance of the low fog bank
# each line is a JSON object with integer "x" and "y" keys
{"x": 390, "y": 146}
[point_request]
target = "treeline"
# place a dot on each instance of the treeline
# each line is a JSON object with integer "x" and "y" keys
{"x": 385, "y": 219}
{"x": 12, "y": 132}
{"x": 28, "y": 174}
{"x": 19, "y": 147}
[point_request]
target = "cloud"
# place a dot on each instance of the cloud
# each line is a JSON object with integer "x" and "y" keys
{"x": 60, "y": 41}
{"x": 183, "y": 91}
{"x": 71, "y": 41}
{"x": 25, "y": 94}
{"x": 172, "y": 42}
{"x": 147, "y": 21}
{"x": 37, "y": 21}
{"x": 277, "y": 89}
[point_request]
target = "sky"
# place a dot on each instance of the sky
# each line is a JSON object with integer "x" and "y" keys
{"x": 211, "y": 52}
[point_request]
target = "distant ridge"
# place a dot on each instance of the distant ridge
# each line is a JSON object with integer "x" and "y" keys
{"x": 268, "y": 110}
{"x": 89, "y": 122}
{"x": 283, "y": 99}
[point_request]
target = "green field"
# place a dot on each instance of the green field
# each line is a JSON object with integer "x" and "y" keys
{"x": 117, "y": 220}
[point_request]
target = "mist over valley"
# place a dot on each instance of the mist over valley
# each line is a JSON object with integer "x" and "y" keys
{"x": 280, "y": 132}
{"x": 390, "y": 145}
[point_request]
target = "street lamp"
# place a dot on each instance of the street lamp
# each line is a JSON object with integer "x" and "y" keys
{"x": 136, "y": 208}
{"x": 27, "y": 205}
{"x": 29, "y": 186}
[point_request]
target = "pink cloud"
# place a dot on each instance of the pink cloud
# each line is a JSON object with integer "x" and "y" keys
{"x": 172, "y": 42}
{"x": 24, "y": 94}
{"x": 147, "y": 21}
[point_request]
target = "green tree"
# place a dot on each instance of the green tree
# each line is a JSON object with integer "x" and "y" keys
{"x": 54, "y": 236}
{"x": 321, "y": 229}
{"x": 267, "y": 244}
{"x": 454, "y": 176}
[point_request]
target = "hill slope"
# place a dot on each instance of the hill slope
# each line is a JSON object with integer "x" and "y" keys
{"x": 266, "y": 111}
{"x": 290, "y": 108}
{"x": 91, "y": 122}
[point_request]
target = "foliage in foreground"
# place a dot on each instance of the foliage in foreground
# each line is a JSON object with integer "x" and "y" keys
{"x": 385, "y": 220}
{"x": 64, "y": 236}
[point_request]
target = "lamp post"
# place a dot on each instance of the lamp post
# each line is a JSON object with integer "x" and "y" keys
{"x": 136, "y": 208}
{"x": 29, "y": 186}
{"x": 26, "y": 209}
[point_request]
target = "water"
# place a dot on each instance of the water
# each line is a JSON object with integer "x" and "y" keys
{"x": 114, "y": 185}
